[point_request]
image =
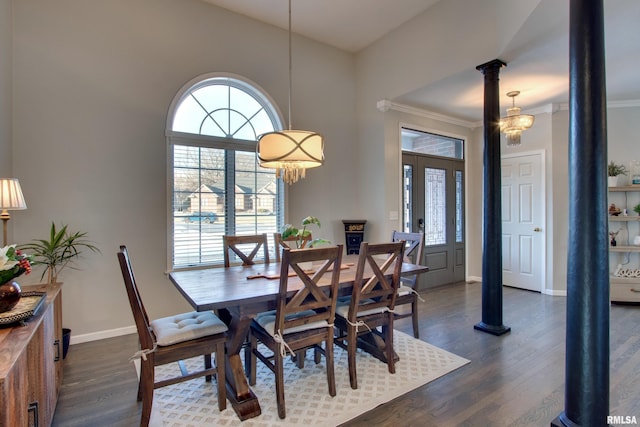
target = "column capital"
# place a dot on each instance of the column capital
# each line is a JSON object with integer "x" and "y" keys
{"x": 495, "y": 64}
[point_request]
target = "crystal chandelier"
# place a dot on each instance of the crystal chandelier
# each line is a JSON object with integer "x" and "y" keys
{"x": 514, "y": 123}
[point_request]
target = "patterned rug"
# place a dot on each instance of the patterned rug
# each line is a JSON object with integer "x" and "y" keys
{"x": 193, "y": 403}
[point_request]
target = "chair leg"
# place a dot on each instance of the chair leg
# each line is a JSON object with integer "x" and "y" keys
{"x": 247, "y": 355}
{"x": 207, "y": 365}
{"x": 279, "y": 371}
{"x": 388, "y": 345}
{"x": 352, "y": 344}
{"x": 139, "y": 396}
{"x": 317, "y": 354}
{"x": 220, "y": 377}
{"x": 147, "y": 378}
{"x": 328, "y": 355}
{"x": 253, "y": 345}
{"x": 414, "y": 316}
{"x": 299, "y": 358}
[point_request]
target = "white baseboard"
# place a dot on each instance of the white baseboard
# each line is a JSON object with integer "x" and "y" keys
{"x": 94, "y": 336}
{"x": 552, "y": 292}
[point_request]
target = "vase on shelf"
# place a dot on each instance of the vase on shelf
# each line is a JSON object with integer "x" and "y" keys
{"x": 10, "y": 293}
{"x": 613, "y": 181}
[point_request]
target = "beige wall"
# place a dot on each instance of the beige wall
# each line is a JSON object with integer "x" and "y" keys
{"x": 93, "y": 82}
{"x": 5, "y": 88}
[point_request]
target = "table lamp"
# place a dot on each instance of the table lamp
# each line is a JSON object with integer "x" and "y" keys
{"x": 11, "y": 199}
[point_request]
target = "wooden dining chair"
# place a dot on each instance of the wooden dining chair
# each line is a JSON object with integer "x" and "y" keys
{"x": 303, "y": 318}
{"x": 246, "y": 248}
{"x": 173, "y": 339}
{"x": 279, "y": 244}
{"x": 407, "y": 292}
{"x": 372, "y": 302}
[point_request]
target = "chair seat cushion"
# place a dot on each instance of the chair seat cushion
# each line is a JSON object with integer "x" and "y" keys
{"x": 186, "y": 326}
{"x": 342, "y": 309}
{"x": 267, "y": 321}
{"x": 405, "y": 290}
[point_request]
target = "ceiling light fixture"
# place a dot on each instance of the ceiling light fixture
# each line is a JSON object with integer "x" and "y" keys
{"x": 514, "y": 123}
{"x": 290, "y": 152}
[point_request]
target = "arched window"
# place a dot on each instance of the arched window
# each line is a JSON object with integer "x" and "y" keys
{"x": 215, "y": 183}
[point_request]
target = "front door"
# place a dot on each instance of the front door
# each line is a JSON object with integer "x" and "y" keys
{"x": 433, "y": 202}
{"x": 523, "y": 237}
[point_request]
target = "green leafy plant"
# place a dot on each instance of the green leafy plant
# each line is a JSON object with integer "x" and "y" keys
{"x": 59, "y": 251}
{"x": 302, "y": 237}
{"x": 13, "y": 263}
{"x": 615, "y": 169}
{"x": 636, "y": 208}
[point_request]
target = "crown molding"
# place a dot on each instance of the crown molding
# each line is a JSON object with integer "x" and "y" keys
{"x": 624, "y": 104}
{"x": 564, "y": 106}
{"x": 385, "y": 105}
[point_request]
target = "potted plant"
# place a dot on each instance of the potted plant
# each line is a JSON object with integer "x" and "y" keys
{"x": 60, "y": 250}
{"x": 301, "y": 238}
{"x": 613, "y": 170}
{"x": 636, "y": 209}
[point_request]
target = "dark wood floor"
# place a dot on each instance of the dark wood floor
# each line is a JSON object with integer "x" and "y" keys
{"x": 513, "y": 380}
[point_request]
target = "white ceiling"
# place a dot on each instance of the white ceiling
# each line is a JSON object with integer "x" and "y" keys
{"x": 541, "y": 71}
{"x": 350, "y": 25}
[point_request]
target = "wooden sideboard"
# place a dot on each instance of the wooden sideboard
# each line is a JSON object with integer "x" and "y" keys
{"x": 31, "y": 364}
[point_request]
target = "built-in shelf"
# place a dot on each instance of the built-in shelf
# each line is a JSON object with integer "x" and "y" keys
{"x": 622, "y": 218}
{"x": 621, "y": 248}
{"x": 624, "y": 280}
{"x": 625, "y": 188}
{"x": 625, "y": 289}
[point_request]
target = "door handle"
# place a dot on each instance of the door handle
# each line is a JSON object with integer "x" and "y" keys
{"x": 537, "y": 229}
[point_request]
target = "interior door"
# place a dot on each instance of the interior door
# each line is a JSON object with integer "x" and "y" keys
{"x": 433, "y": 202}
{"x": 523, "y": 237}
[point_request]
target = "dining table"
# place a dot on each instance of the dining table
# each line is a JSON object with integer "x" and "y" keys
{"x": 238, "y": 293}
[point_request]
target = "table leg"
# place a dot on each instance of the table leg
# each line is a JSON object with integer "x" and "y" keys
{"x": 373, "y": 343}
{"x": 243, "y": 400}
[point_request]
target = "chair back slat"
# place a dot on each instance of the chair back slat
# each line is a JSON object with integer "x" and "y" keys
{"x": 245, "y": 247}
{"x": 413, "y": 251}
{"x": 280, "y": 244}
{"x": 318, "y": 289}
{"x": 384, "y": 260}
{"x": 145, "y": 335}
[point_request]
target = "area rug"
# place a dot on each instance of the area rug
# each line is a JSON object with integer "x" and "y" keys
{"x": 194, "y": 403}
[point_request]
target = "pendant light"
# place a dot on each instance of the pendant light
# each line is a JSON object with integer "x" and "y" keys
{"x": 290, "y": 152}
{"x": 514, "y": 123}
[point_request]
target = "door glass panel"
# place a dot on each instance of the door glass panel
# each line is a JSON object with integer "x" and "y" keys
{"x": 459, "y": 220}
{"x": 435, "y": 206}
{"x": 407, "y": 198}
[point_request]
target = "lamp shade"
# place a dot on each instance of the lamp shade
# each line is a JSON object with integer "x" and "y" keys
{"x": 290, "y": 152}
{"x": 11, "y": 197}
